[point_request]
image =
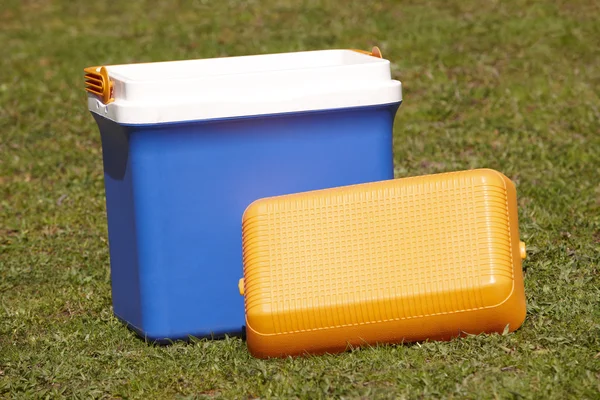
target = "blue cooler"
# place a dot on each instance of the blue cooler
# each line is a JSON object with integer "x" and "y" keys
{"x": 188, "y": 145}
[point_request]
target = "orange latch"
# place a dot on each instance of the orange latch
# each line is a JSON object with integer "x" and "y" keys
{"x": 375, "y": 52}
{"x": 98, "y": 83}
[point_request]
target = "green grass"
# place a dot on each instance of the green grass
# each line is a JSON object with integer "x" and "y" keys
{"x": 508, "y": 85}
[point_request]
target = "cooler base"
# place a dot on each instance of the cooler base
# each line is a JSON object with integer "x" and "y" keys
{"x": 176, "y": 193}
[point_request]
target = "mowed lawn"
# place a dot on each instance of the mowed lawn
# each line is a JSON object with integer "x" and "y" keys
{"x": 510, "y": 85}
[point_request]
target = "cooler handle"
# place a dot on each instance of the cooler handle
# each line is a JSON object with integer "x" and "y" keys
{"x": 375, "y": 52}
{"x": 97, "y": 82}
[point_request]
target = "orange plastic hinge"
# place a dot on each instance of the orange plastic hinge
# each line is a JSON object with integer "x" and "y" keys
{"x": 375, "y": 52}
{"x": 97, "y": 82}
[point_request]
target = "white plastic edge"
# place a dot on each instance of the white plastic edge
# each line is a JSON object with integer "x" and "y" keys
{"x": 239, "y": 105}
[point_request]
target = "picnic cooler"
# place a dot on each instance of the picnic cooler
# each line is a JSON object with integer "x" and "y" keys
{"x": 188, "y": 145}
{"x": 429, "y": 257}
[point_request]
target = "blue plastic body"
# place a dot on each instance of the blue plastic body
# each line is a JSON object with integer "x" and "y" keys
{"x": 175, "y": 195}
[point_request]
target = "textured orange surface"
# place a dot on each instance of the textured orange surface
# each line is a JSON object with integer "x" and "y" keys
{"x": 408, "y": 259}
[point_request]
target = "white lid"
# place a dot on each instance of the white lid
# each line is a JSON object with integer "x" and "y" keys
{"x": 152, "y": 93}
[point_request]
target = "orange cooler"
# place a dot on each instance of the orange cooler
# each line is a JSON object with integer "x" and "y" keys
{"x": 430, "y": 257}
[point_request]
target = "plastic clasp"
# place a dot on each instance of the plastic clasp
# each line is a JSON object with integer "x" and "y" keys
{"x": 375, "y": 52}
{"x": 241, "y": 286}
{"x": 98, "y": 83}
{"x": 523, "y": 250}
